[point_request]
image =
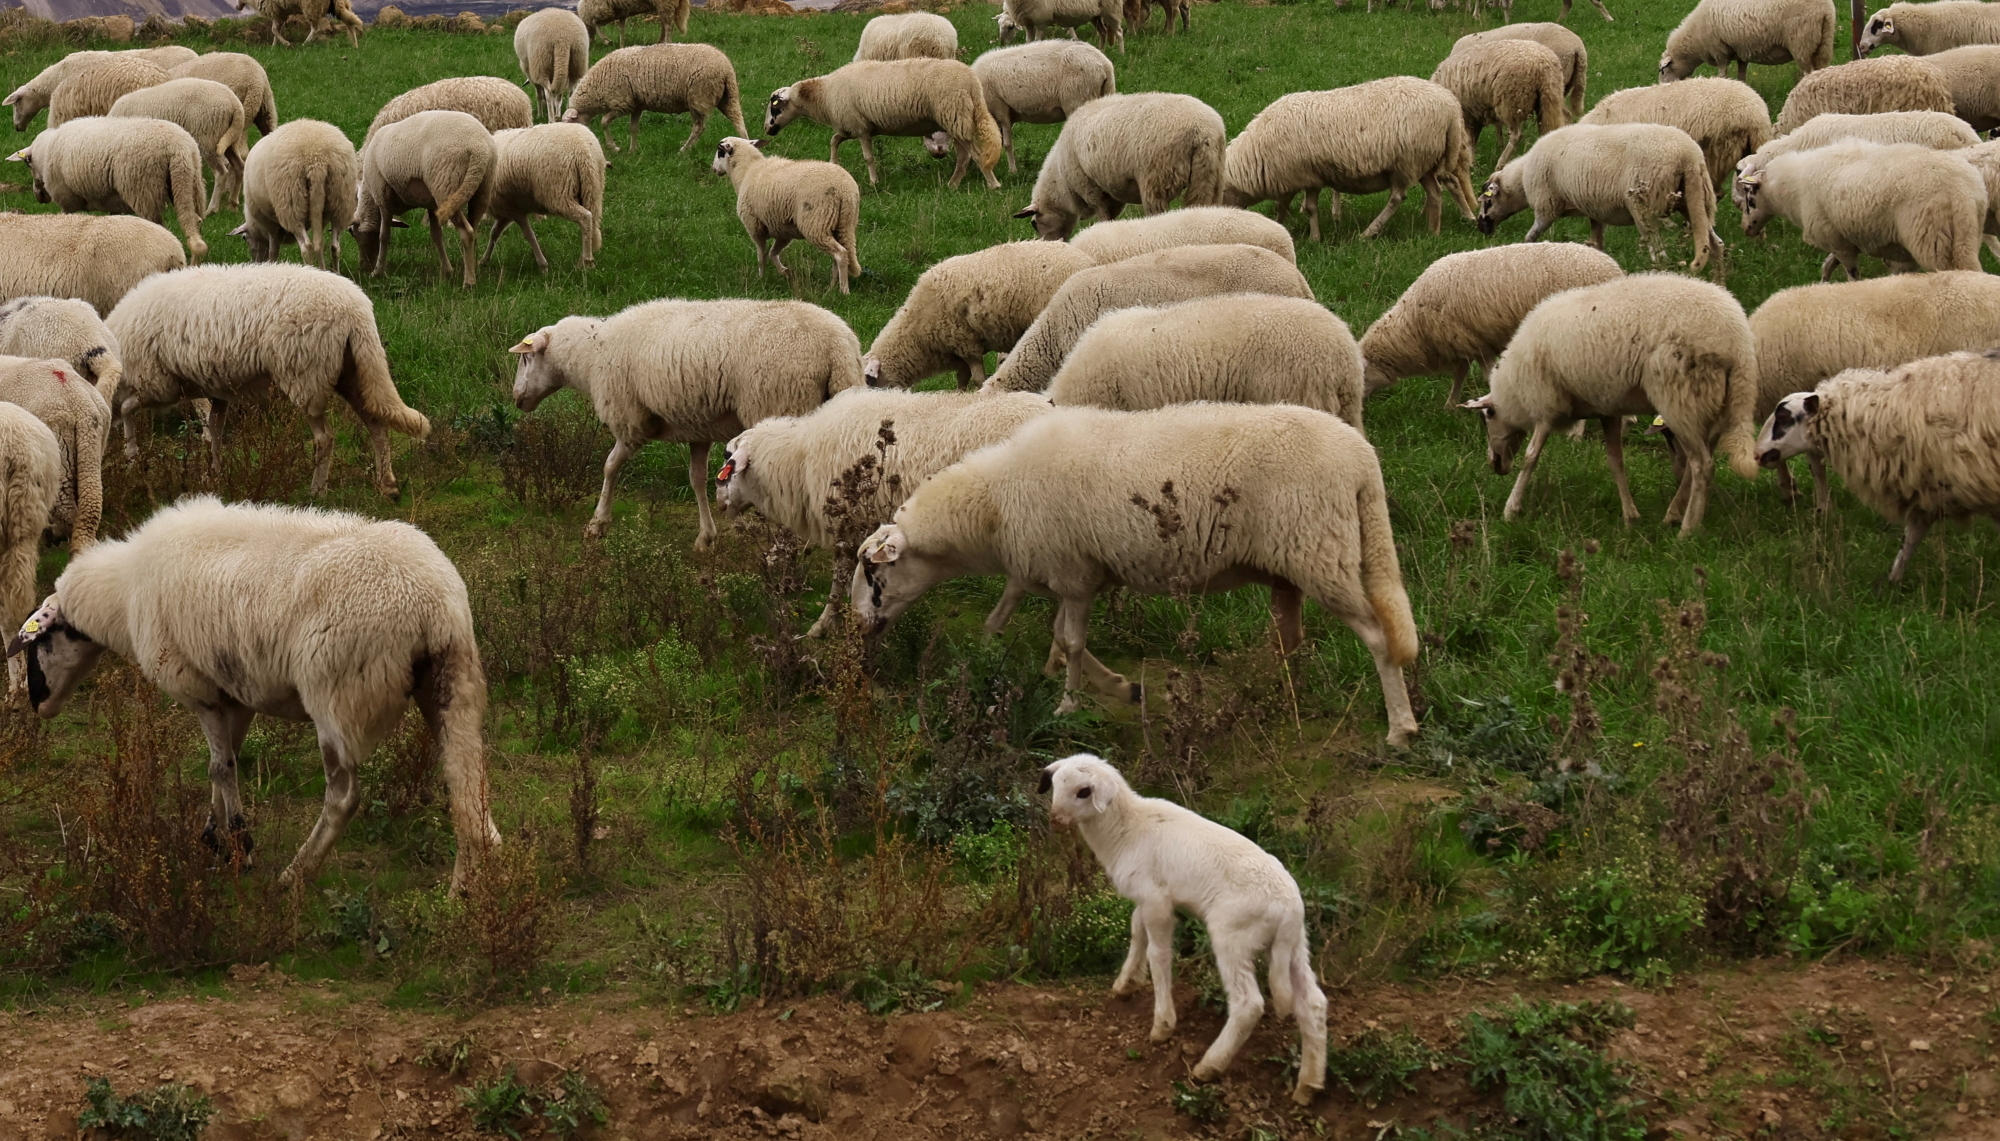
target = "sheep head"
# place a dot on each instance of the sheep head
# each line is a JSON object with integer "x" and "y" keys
{"x": 779, "y": 111}
{"x": 1503, "y": 439}
{"x": 1007, "y": 27}
{"x": 1747, "y": 190}
{"x": 1051, "y": 224}
{"x": 734, "y": 151}
{"x": 938, "y": 143}
{"x": 26, "y": 156}
{"x": 57, "y": 656}
{"x": 1672, "y": 69}
{"x": 732, "y": 481}
{"x": 1785, "y": 434}
{"x": 24, "y": 108}
{"x": 1081, "y": 788}
{"x": 1881, "y": 29}
{"x": 871, "y": 372}
{"x": 889, "y": 575}
{"x": 534, "y": 375}
{"x": 1505, "y": 196}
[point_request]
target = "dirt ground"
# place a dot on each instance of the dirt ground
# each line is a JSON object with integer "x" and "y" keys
{"x": 1852, "y": 1049}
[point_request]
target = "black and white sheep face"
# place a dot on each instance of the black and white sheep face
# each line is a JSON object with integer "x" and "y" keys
{"x": 57, "y": 656}
{"x": 1050, "y": 225}
{"x": 1880, "y": 28}
{"x": 534, "y": 376}
{"x": 1497, "y": 202}
{"x": 1503, "y": 440}
{"x": 888, "y": 577}
{"x": 1079, "y": 788}
{"x": 728, "y": 151}
{"x": 1784, "y": 434}
{"x": 1745, "y": 190}
{"x": 779, "y": 111}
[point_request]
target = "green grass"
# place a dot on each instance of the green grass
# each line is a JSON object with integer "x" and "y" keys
{"x": 1895, "y": 720}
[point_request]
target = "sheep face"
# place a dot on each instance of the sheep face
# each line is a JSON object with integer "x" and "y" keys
{"x": 779, "y": 111}
{"x": 1080, "y": 788}
{"x": 733, "y": 152}
{"x": 24, "y": 109}
{"x": 1672, "y": 69}
{"x": 1503, "y": 440}
{"x": 57, "y": 655}
{"x": 1881, "y": 30}
{"x": 889, "y": 576}
{"x": 1375, "y": 378}
{"x": 733, "y": 491}
{"x": 1003, "y": 22}
{"x": 1505, "y": 196}
{"x": 1784, "y": 434}
{"x": 535, "y": 376}
{"x": 938, "y": 143}
{"x": 1746, "y": 190}
{"x": 1051, "y": 225}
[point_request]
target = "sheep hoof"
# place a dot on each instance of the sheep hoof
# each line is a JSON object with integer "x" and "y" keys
{"x": 595, "y": 529}
{"x": 1162, "y": 1034}
{"x": 1401, "y": 738}
{"x": 1304, "y": 1095}
{"x": 1203, "y": 1072}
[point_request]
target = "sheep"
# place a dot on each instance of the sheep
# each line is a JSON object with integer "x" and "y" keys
{"x": 786, "y": 466}
{"x": 1930, "y": 28}
{"x": 229, "y": 332}
{"x": 909, "y": 35}
{"x": 122, "y": 166}
{"x": 496, "y": 103}
{"x": 209, "y": 112}
{"x": 1081, "y": 500}
{"x": 1036, "y": 17}
{"x": 1632, "y": 174}
{"x": 965, "y": 307}
{"x": 91, "y": 91}
{"x": 1465, "y": 307}
{"x": 280, "y": 12}
{"x": 554, "y": 169}
{"x": 895, "y": 97}
{"x": 1810, "y": 333}
{"x": 243, "y": 75}
{"x": 61, "y": 397}
{"x": 690, "y": 372}
{"x": 1750, "y": 31}
{"x": 1163, "y": 278}
{"x": 94, "y": 259}
{"x": 30, "y": 480}
{"x": 1242, "y": 348}
{"x": 1040, "y": 83}
{"x": 301, "y": 183}
{"x": 1503, "y": 82}
{"x": 443, "y": 161}
{"x": 307, "y": 615}
{"x": 1651, "y": 342}
{"x": 1985, "y": 159}
{"x": 67, "y": 329}
{"x": 1567, "y": 45}
{"x": 1599, "y": 4}
{"x": 1119, "y": 149}
{"x": 29, "y": 99}
{"x": 668, "y": 79}
{"x": 1163, "y": 857}
{"x": 1973, "y": 75}
{"x": 1389, "y": 134}
{"x": 553, "y": 48}
{"x": 672, "y": 15}
{"x": 1918, "y": 444}
{"x": 1866, "y": 87}
{"x": 1908, "y": 205}
{"x": 1136, "y": 12}
{"x": 780, "y": 200}
{"x": 1937, "y": 130}
{"x": 1727, "y": 119}
{"x": 1107, "y": 242}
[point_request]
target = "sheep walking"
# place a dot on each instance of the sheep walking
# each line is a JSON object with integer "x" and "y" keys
{"x": 1567, "y": 45}
{"x": 1165, "y": 858}
{"x": 442, "y": 162}
{"x": 1930, "y": 28}
{"x": 553, "y": 48}
{"x": 554, "y": 169}
{"x": 279, "y": 12}
{"x": 1037, "y": 17}
{"x": 301, "y": 183}
{"x": 1038, "y": 83}
{"x": 95, "y": 259}
{"x": 30, "y": 480}
{"x": 781, "y": 200}
{"x": 913, "y": 97}
{"x": 1633, "y": 174}
{"x": 672, "y": 15}
{"x": 965, "y": 307}
{"x": 1909, "y": 205}
{"x": 665, "y": 78}
{"x": 1503, "y": 82}
{"x": 243, "y": 75}
{"x": 62, "y": 398}
{"x": 211, "y": 114}
{"x": 1121, "y": 149}
{"x": 689, "y": 372}
{"x": 1751, "y": 31}
{"x": 294, "y": 613}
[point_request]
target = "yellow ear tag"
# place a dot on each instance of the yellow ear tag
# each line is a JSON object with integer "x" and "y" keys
{"x": 33, "y": 627}
{"x": 1659, "y": 421}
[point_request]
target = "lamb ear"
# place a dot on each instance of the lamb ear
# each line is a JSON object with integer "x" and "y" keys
{"x": 1048, "y": 783}
{"x": 884, "y": 546}
{"x": 535, "y": 342}
{"x": 20, "y": 155}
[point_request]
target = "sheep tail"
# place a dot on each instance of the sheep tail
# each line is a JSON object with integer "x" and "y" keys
{"x": 460, "y": 197}
{"x": 87, "y": 453}
{"x": 1699, "y": 194}
{"x": 1205, "y": 167}
{"x": 316, "y": 208}
{"x": 184, "y": 180}
{"x": 451, "y": 692}
{"x": 20, "y": 545}
{"x": 558, "y": 81}
{"x": 1382, "y": 574}
{"x": 109, "y": 377}
{"x": 985, "y": 132}
{"x": 1456, "y": 166}
{"x": 1553, "y": 112}
{"x": 267, "y": 112}
{"x": 1739, "y": 433}
{"x": 375, "y": 395}
{"x": 732, "y": 105}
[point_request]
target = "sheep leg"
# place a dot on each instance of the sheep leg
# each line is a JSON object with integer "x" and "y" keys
{"x": 1993, "y": 246}
{"x": 875, "y": 175}
{"x": 1398, "y": 190}
{"x": 601, "y": 518}
{"x": 825, "y": 615}
{"x": 604, "y": 124}
{"x": 777, "y": 247}
{"x": 17, "y": 597}
{"x": 1003, "y": 611}
{"x": 961, "y": 151}
{"x": 1007, "y": 143}
{"x": 632, "y": 133}
{"x": 1433, "y": 204}
{"x": 468, "y": 247}
{"x": 1677, "y": 508}
{"x": 224, "y": 724}
{"x": 1159, "y": 920}
{"x": 1134, "y": 970}
{"x": 1614, "y": 454}
{"x": 833, "y": 148}
{"x": 838, "y": 253}
{"x": 343, "y": 796}
{"x": 1354, "y": 609}
{"x": 541, "y": 261}
{"x": 975, "y": 371}
{"x": 1458, "y": 378}
{"x": 1288, "y": 615}
{"x": 1313, "y": 228}
{"x": 437, "y": 242}
{"x": 586, "y": 227}
{"x": 1700, "y": 473}
{"x": 1822, "y": 490}
{"x": 1528, "y": 462}
{"x": 1913, "y": 533}
{"x": 698, "y": 483}
{"x": 210, "y": 412}
{"x": 1597, "y": 236}
{"x": 1236, "y": 962}
{"x": 492, "y": 240}
{"x": 1507, "y": 152}
{"x": 1787, "y": 488}
{"x": 700, "y": 122}
{"x": 1542, "y": 226}
{"x": 322, "y": 452}
{"x": 1072, "y": 630}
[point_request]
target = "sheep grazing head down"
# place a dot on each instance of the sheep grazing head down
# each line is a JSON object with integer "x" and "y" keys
{"x": 889, "y": 576}
{"x": 1050, "y": 225}
{"x": 727, "y": 150}
{"x": 1503, "y": 197}
{"x": 733, "y": 480}
{"x": 25, "y": 155}
{"x": 938, "y": 143}
{"x": 1880, "y": 27}
{"x": 1080, "y": 789}
{"x": 1745, "y": 189}
{"x": 57, "y": 655}
{"x": 1503, "y": 440}
{"x": 1784, "y": 434}
{"x": 779, "y": 111}
{"x": 1671, "y": 71}
{"x": 534, "y": 375}
{"x": 23, "y": 110}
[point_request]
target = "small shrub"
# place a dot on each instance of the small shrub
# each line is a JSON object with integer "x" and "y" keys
{"x": 1092, "y": 938}
{"x": 505, "y": 1107}
{"x": 1202, "y": 1104}
{"x": 170, "y": 1112}
{"x": 1546, "y": 1060}
{"x": 1377, "y": 1064}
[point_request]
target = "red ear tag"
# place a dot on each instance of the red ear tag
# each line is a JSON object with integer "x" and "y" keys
{"x": 728, "y": 469}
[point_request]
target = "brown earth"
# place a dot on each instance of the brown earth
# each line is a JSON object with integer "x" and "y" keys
{"x": 1726, "y": 1053}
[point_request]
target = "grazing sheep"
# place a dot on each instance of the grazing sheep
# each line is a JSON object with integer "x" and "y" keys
{"x": 279, "y": 12}
{"x": 66, "y": 329}
{"x": 301, "y": 184}
{"x": 1917, "y": 444}
{"x": 95, "y": 259}
{"x": 689, "y": 372}
{"x": 667, "y": 79}
{"x": 1390, "y": 134}
{"x": 965, "y": 307}
{"x": 232, "y": 332}
{"x": 781, "y": 200}
{"x": 553, "y": 48}
{"x": 1242, "y": 348}
{"x": 1262, "y": 493}
{"x": 1465, "y": 307}
{"x": 1107, "y": 242}
{"x": 1502, "y": 82}
{"x": 294, "y": 613}
{"x": 498, "y": 104}
{"x": 1911, "y": 206}
{"x": 1567, "y": 45}
{"x": 1163, "y": 857}
{"x": 672, "y": 14}
{"x": 1136, "y": 12}
{"x": 1973, "y": 76}
{"x": 1727, "y": 119}
{"x": 1651, "y": 342}
{"x": 1810, "y": 333}
{"x": 1866, "y": 87}
{"x": 786, "y": 466}
{"x": 1040, "y": 83}
{"x": 209, "y": 112}
{"x": 1121, "y": 149}
{"x": 1985, "y": 158}
{"x": 242, "y": 75}
{"x": 30, "y": 480}
{"x": 1036, "y": 17}
{"x": 1167, "y": 277}
{"x": 122, "y": 166}
{"x": 1633, "y": 174}
{"x": 913, "y": 97}
{"x": 29, "y": 99}
{"x": 1930, "y": 28}
{"x": 91, "y": 91}
{"x": 442, "y": 161}
{"x": 909, "y": 35}
{"x": 60, "y": 397}
{"x": 1937, "y": 130}
{"x": 554, "y": 169}
{"x": 1750, "y": 31}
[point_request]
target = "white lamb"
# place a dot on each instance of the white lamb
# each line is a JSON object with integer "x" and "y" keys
{"x": 1632, "y": 174}
{"x": 1119, "y": 149}
{"x": 1930, "y": 28}
{"x": 1165, "y": 858}
{"x": 1727, "y": 119}
{"x": 231, "y": 332}
{"x": 209, "y": 112}
{"x": 62, "y": 398}
{"x": 1911, "y": 206}
{"x": 1503, "y": 82}
{"x": 95, "y": 259}
{"x": 294, "y": 613}
{"x": 1750, "y": 31}
{"x": 965, "y": 307}
{"x": 301, "y": 183}
{"x": 688, "y": 372}
{"x": 1107, "y": 242}
{"x": 122, "y": 166}
{"x": 781, "y": 200}
{"x": 443, "y": 162}
{"x": 1039, "y": 83}
{"x": 555, "y": 169}
{"x": 1082, "y": 500}
{"x": 67, "y": 329}
{"x": 667, "y": 79}
{"x": 914, "y": 97}
{"x": 1648, "y": 343}
{"x": 553, "y": 48}
{"x": 30, "y": 480}
{"x": 1918, "y": 444}
{"x": 908, "y": 35}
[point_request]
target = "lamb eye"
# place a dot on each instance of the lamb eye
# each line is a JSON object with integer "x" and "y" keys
{"x": 1083, "y": 793}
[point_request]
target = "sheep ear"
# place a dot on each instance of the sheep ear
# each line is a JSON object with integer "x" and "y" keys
{"x": 871, "y": 371}
{"x": 535, "y": 342}
{"x": 1029, "y": 212}
{"x": 884, "y": 546}
{"x": 1812, "y": 404}
{"x": 1479, "y": 405}
{"x": 759, "y": 143}
{"x": 11, "y": 100}
{"x": 20, "y": 155}
{"x": 1048, "y": 783}
{"x": 37, "y": 625}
